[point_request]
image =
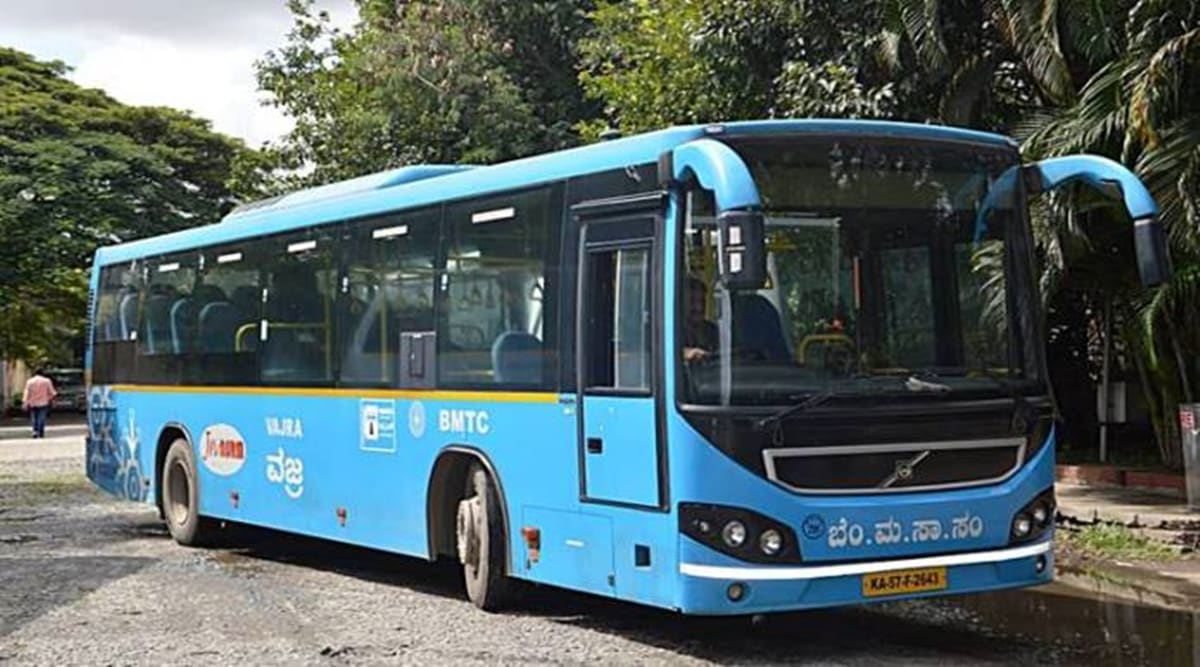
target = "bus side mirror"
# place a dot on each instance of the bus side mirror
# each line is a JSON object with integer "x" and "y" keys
{"x": 1115, "y": 181}
{"x": 1150, "y": 246}
{"x": 741, "y": 249}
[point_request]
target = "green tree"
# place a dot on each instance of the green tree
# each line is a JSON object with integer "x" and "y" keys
{"x": 79, "y": 170}
{"x": 655, "y": 64}
{"x": 441, "y": 81}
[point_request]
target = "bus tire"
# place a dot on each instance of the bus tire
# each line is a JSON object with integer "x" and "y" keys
{"x": 482, "y": 546}
{"x": 181, "y": 496}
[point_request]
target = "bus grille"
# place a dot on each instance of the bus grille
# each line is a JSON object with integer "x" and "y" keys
{"x": 894, "y": 467}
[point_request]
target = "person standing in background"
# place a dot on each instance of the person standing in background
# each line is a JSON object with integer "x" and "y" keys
{"x": 39, "y": 393}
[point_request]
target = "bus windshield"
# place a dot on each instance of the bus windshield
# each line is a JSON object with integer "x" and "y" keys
{"x": 890, "y": 270}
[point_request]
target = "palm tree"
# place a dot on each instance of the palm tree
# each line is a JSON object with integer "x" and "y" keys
{"x": 1114, "y": 77}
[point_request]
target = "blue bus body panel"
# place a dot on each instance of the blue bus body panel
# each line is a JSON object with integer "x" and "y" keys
{"x": 115, "y": 458}
{"x": 626, "y": 468}
{"x": 292, "y": 462}
{"x": 575, "y": 546}
{"x": 356, "y": 469}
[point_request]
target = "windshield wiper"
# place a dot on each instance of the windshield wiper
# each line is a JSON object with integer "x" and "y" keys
{"x": 810, "y": 401}
{"x": 917, "y": 385}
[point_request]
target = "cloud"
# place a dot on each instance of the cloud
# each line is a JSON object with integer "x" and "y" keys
{"x": 213, "y": 81}
{"x": 197, "y": 21}
{"x": 198, "y": 55}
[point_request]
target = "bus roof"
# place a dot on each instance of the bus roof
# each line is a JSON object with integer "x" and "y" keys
{"x": 415, "y": 186}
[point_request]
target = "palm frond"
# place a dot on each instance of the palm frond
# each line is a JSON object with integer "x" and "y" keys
{"x": 922, "y": 23}
{"x": 1171, "y": 171}
{"x": 1157, "y": 87}
{"x": 1030, "y": 27}
{"x": 967, "y": 86}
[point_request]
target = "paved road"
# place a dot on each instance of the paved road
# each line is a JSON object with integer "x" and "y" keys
{"x": 85, "y": 579}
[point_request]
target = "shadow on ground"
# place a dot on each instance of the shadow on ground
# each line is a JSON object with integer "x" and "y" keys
{"x": 838, "y": 635}
{"x": 30, "y": 587}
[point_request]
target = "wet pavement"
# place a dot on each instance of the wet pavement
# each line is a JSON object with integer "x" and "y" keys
{"x": 86, "y": 579}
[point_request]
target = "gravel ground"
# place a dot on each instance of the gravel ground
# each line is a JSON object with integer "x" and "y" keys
{"x": 85, "y": 579}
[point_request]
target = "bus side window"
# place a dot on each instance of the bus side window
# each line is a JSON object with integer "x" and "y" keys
{"x": 223, "y": 321}
{"x": 295, "y": 337}
{"x": 115, "y": 317}
{"x": 386, "y": 290}
{"x": 492, "y": 330}
{"x": 170, "y": 281}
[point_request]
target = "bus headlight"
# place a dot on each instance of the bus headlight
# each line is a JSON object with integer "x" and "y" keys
{"x": 771, "y": 542}
{"x": 734, "y": 534}
{"x": 1022, "y": 526}
{"x": 740, "y": 533}
{"x": 1034, "y": 519}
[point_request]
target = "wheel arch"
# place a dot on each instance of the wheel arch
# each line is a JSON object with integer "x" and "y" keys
{"x": 446, "y": 481}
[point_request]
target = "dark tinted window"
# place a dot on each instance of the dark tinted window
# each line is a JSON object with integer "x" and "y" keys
{"x": 296, "y": 333}
{"x": 223, "y": 317}
{"x": 494, "y": 291}
{"x": 167, "y": 318}
{"x": 115, "y": 322}
{"x": 386, "y": 290}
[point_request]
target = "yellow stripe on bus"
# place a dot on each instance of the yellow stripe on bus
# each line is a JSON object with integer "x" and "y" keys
{"x": 430, "y": 394}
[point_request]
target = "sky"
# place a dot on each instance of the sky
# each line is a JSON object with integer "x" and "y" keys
{"x": 196, "y": 55}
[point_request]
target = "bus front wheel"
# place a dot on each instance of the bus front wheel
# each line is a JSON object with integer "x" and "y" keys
{"x": 481, "y": 543}
{"x": 181, "y": 495}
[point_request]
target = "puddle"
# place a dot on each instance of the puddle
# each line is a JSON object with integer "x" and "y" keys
{"x": 1098, "y": 629}
{"x": 236, "y": 561}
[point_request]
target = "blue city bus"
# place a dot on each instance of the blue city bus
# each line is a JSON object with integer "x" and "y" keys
{"x": 723, "y": 369}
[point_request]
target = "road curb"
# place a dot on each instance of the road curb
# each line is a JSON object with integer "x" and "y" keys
{"x": 1152, "y": 481}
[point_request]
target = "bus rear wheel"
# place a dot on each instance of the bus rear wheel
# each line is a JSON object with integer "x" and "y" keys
{"x": 181, "y": 496}
{"x": 482, "y": 546}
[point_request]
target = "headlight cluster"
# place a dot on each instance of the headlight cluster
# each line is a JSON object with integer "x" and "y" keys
{"x": 739, "y": 532}
{"x": 1034, "y": 519}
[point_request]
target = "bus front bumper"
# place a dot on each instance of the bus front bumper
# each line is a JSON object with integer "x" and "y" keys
{"x": 711, "y": 589}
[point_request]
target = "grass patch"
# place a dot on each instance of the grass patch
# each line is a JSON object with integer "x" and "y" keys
{"x": 1114, "y": 541}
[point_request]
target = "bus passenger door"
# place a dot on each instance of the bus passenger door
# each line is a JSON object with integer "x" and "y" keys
{"x": 617, "y": 319}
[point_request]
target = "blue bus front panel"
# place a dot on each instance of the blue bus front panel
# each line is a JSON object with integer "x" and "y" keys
{"x": 843, "y": 538}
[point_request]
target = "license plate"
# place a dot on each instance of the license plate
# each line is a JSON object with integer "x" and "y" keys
{"x": 899, "y": 582}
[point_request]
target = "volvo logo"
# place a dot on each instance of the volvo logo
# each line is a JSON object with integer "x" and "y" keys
{"x": 904, "y": 470}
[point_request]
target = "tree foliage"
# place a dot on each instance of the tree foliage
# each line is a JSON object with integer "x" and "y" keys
{"x": 683, "y": 61}
{"x": 78, "y": 170}
{"x": 437, "y": 81}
